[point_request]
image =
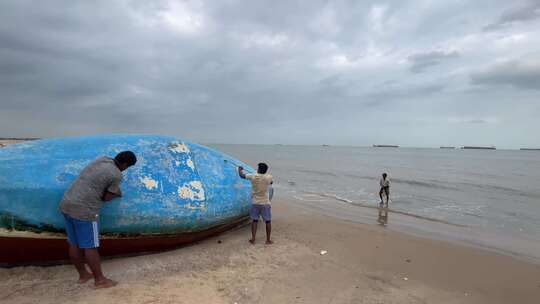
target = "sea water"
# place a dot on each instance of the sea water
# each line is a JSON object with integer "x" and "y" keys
{"x": 491, "y": 191}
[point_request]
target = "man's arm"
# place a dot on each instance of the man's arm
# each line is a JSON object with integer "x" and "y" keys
{"x": 113, "y": 190}
{"x": 108, "y": 196}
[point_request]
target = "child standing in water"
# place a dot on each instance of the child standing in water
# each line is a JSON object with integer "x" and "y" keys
{"x": 385, "y": 187}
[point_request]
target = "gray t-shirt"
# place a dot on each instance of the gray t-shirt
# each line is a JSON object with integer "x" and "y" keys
{"x": 85, "y": 196}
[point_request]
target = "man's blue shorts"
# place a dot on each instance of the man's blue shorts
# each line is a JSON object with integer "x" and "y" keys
{"x": 83, "y": 234}
{"x": 264, "y": 210}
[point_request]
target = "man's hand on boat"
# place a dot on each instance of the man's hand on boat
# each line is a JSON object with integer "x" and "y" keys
{"x": 108, "y": 196}
{"x": 241, "y": 172}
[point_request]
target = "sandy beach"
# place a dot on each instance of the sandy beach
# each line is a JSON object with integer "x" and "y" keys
{"x": 363, "y": 264}
{"x": 6, "y": 142}
{"x": 11, "y": 141}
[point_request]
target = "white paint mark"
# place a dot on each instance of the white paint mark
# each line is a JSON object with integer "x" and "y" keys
{"x": 149, "y": 183}
{"x": 177, "y": 163}
{"x": 179, "y": 148}
{"x": 193, "y": 191}
{"x": 196, "y": 207}
{"x": 190, "y": 164}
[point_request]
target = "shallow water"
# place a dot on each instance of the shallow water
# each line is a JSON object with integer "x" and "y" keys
{"x": 497, "y": 192}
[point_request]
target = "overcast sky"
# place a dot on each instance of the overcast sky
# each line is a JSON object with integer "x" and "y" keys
{"x": 413, "y": 73}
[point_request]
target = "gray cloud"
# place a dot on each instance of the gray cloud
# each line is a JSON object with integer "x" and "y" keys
{"x": 388, "y": 95}
{"x": 518, "y": 73}
{"x": 289, "y": 71}
{"x": 421, "y": 61}
{"x": 477, "y": 121}
{"x": 527, "y": 12}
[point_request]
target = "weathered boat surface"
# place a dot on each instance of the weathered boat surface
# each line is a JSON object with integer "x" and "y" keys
{"x": 176, "y": 187}
{"x": 178, "y": 192}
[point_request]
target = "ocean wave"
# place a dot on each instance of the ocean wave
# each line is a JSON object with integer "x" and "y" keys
{"x": 473, "y": 214}
{"x": 308, "y": 199}
{"x": 371, "y": 206}
{"x": 323, "y": 196}
{"x": 433, "y": 184}
{"x": 508, "y": 190}
{"x": 316, "y": 172}
{"x": 336, "y": 197}
{"x": 373, "y": 178}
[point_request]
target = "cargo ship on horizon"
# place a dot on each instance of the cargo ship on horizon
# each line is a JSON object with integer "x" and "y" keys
{"x": 385, "y": 146}
{"x": 478, "y": 148}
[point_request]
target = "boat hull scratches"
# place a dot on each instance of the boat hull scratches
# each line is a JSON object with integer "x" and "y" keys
{"x": 23, "y": 251}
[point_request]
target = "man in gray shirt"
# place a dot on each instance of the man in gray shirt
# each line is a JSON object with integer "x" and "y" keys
{"x": 98, "y": 183}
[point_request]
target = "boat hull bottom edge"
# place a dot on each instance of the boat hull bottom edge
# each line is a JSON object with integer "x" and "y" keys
{"x": 19, "y": 250}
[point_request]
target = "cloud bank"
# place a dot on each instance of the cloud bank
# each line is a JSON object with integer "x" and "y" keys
{"x": 422, "y": 73}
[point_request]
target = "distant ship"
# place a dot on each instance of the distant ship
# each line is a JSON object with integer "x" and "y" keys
{"x": 530, "y": 149}
{"x": 385, "y": 146}
{"x": 326, "y": 145}
{"x": 443, "y": 147}
{"x": 478, "y": 148}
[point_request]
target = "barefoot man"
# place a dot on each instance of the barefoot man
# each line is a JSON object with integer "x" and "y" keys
{"x": 385, "y": 187}
{"x": 260, "y": 182}
{"x": 98, "y": 183}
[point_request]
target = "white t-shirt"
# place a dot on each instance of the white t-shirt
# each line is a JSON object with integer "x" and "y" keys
{"x": 259, "y": 187}
{"x": 384, "y": 182}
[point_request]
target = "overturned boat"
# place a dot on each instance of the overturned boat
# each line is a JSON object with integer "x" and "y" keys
{"x": 178, "y": 192}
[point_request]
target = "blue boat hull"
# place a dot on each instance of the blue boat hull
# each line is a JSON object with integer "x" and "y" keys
{"x": 175, "y": 187}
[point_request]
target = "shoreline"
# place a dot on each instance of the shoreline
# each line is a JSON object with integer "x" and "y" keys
{"x": 363, "y": 263}
{"x": 519, "y": 247}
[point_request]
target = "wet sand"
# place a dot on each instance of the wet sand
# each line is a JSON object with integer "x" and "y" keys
{"x": 363, "y": 264}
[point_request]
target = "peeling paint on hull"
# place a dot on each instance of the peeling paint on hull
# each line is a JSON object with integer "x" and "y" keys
{"x": 176, "y": 187}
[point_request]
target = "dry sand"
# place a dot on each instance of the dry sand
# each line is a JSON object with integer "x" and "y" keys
{"x": 6, "y": 142}
{"x": 363, "y": 264}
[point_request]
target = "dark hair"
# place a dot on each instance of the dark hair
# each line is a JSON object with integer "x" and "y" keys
{"x": 126, "y": 157}
{"x": 384, "y": 174}
{"x": 262, "y": 168}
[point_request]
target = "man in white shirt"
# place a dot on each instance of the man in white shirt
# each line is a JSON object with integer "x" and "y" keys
{"x": 260, "y": 182}
{"x": 385, "y": 187}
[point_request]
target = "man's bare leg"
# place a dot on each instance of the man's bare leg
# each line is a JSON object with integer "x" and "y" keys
{"x": 268, "y": 232}
{"x": 76, "y": 255}
{"x": 93, "y": 260}
{"x": 380, "y": 195}
{"x": 253, "y": 232}
{"x": 387, "y": 196}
